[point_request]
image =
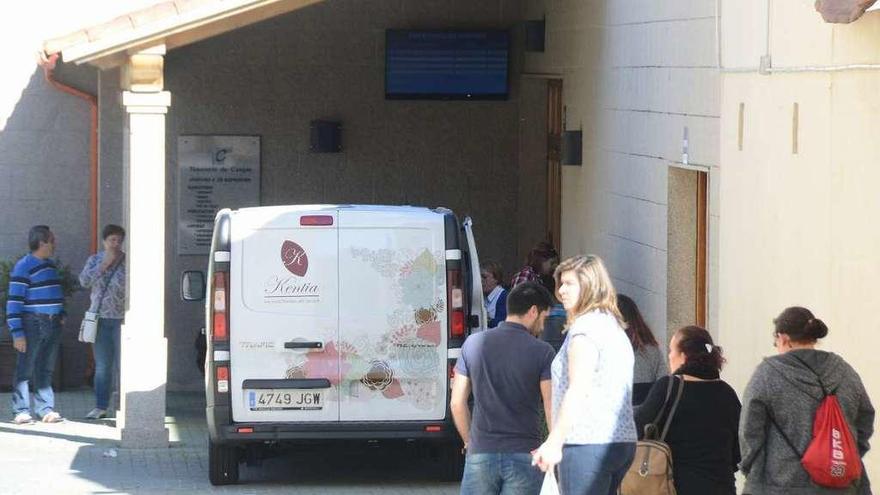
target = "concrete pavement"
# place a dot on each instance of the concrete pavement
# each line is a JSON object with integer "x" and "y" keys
{"x": 83, "y": 457}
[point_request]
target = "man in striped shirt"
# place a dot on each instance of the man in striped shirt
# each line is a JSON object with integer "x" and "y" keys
{"x": 34, "y": 309}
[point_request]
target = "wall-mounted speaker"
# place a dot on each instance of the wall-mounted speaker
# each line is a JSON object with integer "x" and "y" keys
{"x": 325, "y": 136}
{"x": 571, "y": 147}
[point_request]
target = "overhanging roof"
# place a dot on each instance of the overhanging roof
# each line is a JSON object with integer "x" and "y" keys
{"x": 172, "y": 23}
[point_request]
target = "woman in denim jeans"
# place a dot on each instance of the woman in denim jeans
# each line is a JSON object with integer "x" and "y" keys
{"x": 593, "y": 435}
{"x": 104, "y": 273}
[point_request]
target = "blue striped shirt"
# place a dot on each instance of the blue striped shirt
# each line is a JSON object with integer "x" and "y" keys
{"x": 34, "y": 287}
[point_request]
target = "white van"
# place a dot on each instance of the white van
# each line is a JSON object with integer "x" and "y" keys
{"x": 333, "y": 322}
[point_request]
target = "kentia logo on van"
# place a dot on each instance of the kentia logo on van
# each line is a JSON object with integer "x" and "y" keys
{"x": 294, "y": 258}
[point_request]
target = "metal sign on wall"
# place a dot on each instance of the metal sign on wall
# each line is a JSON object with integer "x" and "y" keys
{"x": 214, "y": 172}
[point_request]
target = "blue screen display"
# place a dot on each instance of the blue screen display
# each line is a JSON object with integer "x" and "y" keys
{"x": 446, "y": 64}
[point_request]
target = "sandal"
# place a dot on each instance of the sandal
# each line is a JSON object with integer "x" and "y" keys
{"x": 51, "y": 417}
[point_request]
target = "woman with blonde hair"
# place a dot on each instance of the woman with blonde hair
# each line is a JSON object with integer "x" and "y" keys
{"x": 593, "y": 435}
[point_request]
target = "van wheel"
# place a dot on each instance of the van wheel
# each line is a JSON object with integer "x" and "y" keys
{"x": 223, "y": 463}
{"x": 451, "y": 462}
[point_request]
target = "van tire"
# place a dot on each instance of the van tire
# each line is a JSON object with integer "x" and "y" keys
{"x": 451, "y": 462}
{"x": 223, "y": 463}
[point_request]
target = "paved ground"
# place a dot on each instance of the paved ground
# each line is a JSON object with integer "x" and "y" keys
{"x": 80, "y": 457}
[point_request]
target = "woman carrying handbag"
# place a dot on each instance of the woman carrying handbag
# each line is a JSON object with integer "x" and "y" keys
{"x": 702, "y": 432}
{"x": 104, "y": 273}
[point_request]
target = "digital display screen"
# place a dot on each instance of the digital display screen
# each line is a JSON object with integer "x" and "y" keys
{"x": 455, "y": 65}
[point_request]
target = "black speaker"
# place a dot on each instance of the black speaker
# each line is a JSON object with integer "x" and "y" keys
{"x": 571, "y": 147}
{"x": 535, "y": 36}
{"x": 326, "y": 136}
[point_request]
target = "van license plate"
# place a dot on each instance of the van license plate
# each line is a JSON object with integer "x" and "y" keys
{"x": 284, "y": 400}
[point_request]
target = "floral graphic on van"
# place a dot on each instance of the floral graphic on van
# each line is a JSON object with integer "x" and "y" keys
{"x": 379, "y": 376}
{"x": 405, "y": 362}
{"x": 323, "y": 364}
{"x": 294, "y": 258}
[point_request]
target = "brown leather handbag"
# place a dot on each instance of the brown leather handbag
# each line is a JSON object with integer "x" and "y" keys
{"x": 651, "y": 470}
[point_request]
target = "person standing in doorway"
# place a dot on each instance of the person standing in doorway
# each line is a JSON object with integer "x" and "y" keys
{"x": 34, "y": 313}
{"x": 593, "y": 437}
{"x": 104, "y": 273}
{"x": 494, "y": 295}
{"x": 508, "y": 370}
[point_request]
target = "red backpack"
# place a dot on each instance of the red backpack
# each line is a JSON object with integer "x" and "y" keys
{"x": 832, "y": 459}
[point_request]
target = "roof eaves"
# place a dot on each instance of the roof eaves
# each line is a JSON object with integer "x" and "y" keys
{"x": 147, "y": 27}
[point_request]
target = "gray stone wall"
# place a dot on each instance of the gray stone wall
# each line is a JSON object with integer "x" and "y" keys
{"x": 327, "y": 62}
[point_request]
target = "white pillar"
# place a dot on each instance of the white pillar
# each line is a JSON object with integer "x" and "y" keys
{"x": 144, "y": 359}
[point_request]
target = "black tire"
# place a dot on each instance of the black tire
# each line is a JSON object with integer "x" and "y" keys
{"x": 451, "y": 462}
{"x": 223, "y": 463}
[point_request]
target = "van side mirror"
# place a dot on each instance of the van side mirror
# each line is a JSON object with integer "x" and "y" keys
{"x": 192, "y": 285}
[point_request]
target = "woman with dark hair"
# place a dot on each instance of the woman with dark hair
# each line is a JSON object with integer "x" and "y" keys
{"x": 104, "y": 273}
{"x": 541, "y": 262}
{"x": 780, "y": 402}
{"x": 703, "y": 432}
{"x": 649, "y": 365}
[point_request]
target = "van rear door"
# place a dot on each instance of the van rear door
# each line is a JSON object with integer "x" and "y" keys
{"x": 284, "y": 309}
{"x": 393, "y": 314}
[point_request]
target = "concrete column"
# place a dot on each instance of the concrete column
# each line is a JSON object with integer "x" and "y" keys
{"x": 144, "y": 359}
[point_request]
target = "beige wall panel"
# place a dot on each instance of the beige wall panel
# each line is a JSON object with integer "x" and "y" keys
{"x": 859, "y": 42}
{"x": 635, "y": 176}
{"x": 746, "y": 20}
{"x": 660, "y": 90}
{"x": 635, "y": 263}
{"x": 774, "y": 240}
{"x": 798, "y": 35}
{"x": 641, "y": 11}
{"x": 855, "y": 238}
{"x": 660, "y": 135}
{"x": 637, "y": 220}
{"x": 680, "y": 43}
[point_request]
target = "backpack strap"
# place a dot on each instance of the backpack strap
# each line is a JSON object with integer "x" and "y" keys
{"x": 825, "y": 391}
{"x": 784, "y": 436}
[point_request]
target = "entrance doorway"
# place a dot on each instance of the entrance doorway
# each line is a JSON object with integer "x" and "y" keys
{"x": 687, "y": 247}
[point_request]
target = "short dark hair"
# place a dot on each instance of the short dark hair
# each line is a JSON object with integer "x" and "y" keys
{"x": 112, "y": 229}
{"x": 522, "y": 297}
{"x": 38, "y": 234}
{"x": 800, "y": 325}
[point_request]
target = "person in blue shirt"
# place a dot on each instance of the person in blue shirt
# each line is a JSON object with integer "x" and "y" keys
{"x": 494, "y": 294}
{"x": 508, "y": 370}
{"x": 34, "y": 312}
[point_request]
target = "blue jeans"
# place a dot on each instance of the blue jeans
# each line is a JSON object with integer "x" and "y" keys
{"x": 500, "y": 474}
{"x": 106, "y": 349}
{"x": 594, "y": 469}
{"x": 36, "y": 364}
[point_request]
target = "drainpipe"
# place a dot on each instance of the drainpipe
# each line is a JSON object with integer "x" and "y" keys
{"x": 48, "y": 65}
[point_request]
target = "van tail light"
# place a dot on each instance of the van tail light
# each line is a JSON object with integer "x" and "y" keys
{"x": 222, "y": 379}
{"x": 220, "y": 298}
{"x": 455, "y": 297}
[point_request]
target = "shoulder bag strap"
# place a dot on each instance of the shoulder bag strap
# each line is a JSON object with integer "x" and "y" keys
{"x": 107, "y": 279}
{"x": 674, "y": 406}
{"x": 665, "y": 401}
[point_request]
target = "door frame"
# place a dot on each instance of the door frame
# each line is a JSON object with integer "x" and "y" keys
{"x": 701, "y": 309}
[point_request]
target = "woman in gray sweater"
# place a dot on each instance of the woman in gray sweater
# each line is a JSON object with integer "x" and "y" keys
{"x": 650, "y": 365}
{"x": 780, "y": 402}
